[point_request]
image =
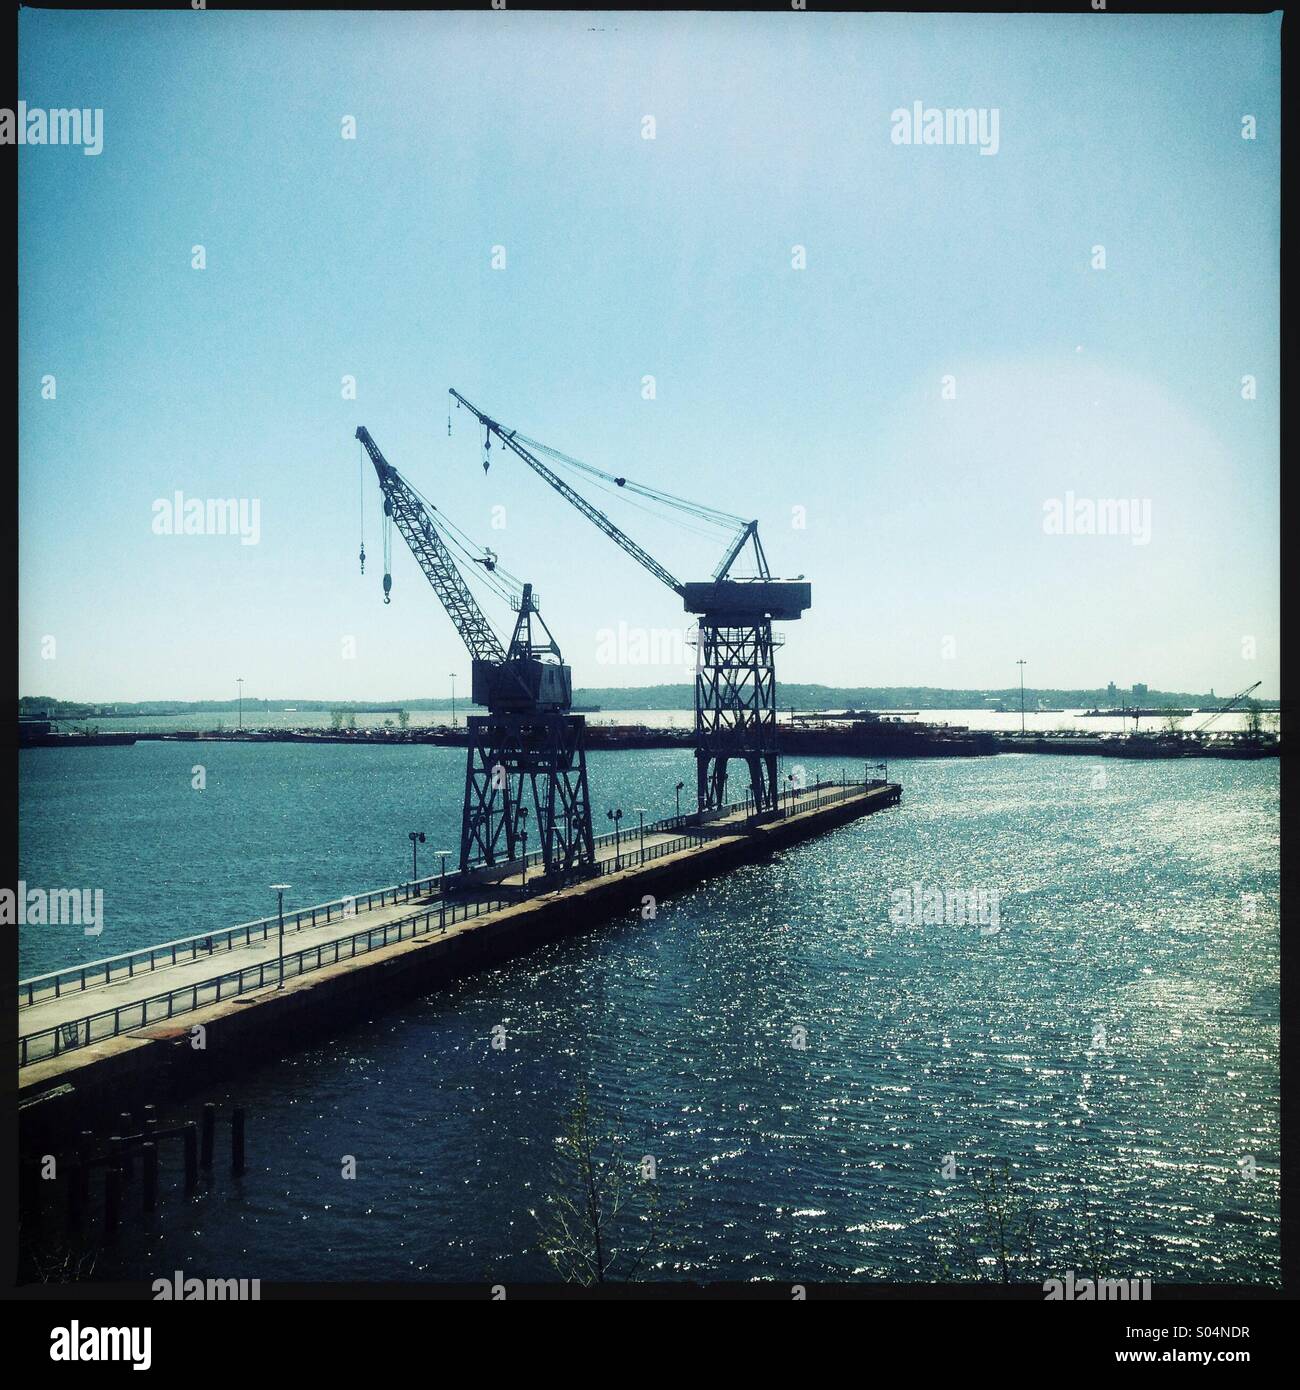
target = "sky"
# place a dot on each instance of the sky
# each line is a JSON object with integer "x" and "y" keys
{"x": 905, "y": 405}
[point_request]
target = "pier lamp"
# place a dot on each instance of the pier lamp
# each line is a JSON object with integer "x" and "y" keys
{"x": 416, "y": 837}
{"x": 616, "y": 816}
{"x": 453, "y": 698}
{"x": 279, "y": 889}
{"x": 640, "y": 811}
{"x": 680, "y": 785}
{"x": 442, "y": 889}
{"x": 789, "y": 791}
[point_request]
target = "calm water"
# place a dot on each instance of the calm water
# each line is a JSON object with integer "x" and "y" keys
{"x": 1121, "y": 907}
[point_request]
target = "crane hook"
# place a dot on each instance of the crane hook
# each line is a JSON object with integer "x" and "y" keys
{"x": 388, "y": 586}
{"x": 363, "y": 557}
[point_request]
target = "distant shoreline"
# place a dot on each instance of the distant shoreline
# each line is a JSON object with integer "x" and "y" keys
{"x": 660, "y": 698}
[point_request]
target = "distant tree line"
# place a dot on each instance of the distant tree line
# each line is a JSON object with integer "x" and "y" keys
{"x": 790, "y": 695}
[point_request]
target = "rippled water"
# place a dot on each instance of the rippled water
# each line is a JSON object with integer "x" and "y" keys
{"x": 1114, "y": 1040}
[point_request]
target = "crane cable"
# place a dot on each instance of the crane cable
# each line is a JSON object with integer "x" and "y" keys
{"x": 734, "y": 526}
{"x": 498, "y": 579}
{"x": 697, "y": 509}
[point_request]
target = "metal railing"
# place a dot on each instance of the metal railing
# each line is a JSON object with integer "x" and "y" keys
{"x": 155, "y": 1008}
{"x": 139, "y": 1013}
{"x": 189, "y": 948}
{"x": 636, "y": 856}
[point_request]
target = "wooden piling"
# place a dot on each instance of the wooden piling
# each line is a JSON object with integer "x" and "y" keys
{"x": 84, "y": 1140}
{"x": 149, "y": 1170}
{"x": 112, "y": 1198}
{"x": 77, "y": 1176}
{"x": 125, "y": 1154}
{"x": 208, "y": 1136}
{"x": 192, "y": 1155}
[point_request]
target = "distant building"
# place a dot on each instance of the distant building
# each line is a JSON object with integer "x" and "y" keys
{"x": 1111, "y": 693}
{"x": 1139, "y": 692}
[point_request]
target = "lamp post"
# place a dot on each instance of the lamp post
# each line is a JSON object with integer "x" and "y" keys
{"x": 442, "y": 889}
{"x": 239, "y": 681}
{"x": 616, "y": 816}
{"x": 279, "y": 889}
{"x": 640, "y": 811}
{"x": 416, "y": 837}
{"x": 1021, "y": 664}
{"x": 680, "y": 785}
{"x": 453, "y": 699}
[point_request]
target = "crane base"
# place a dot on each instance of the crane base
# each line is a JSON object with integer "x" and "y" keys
{"x": 735, "y": 709}
{"x": 526, "y": 784}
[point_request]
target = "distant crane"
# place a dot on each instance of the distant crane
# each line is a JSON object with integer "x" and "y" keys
{"x": 528, "y": 747}
{"x": 735, "y": 674}
{"x": 1227, "y": 705}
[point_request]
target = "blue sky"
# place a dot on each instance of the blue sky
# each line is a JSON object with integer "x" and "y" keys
{"x": 776, "y": 388}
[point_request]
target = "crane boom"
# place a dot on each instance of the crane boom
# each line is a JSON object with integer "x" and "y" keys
{"x": 433, "y": 557}
{"x": 592, "y": 513}
{"x": 1227, "y": 705}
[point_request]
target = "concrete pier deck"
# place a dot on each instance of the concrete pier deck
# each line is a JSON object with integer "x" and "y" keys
{"x": 167, "y": 1029}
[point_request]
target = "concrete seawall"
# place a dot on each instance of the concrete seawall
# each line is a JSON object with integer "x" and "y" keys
{"x": 89, "y": 1087}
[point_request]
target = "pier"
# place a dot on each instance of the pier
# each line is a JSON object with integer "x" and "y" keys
{"x": 100, "y": 1037}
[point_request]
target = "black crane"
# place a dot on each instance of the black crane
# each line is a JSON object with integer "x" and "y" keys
{"x": 735, "y": 672}
{"x": 528, "y": 748}
{"x": 1228, "y": 705}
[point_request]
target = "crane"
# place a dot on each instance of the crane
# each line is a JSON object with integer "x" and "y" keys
{"x": 529, "y": 746}
{"x": 735, "y": 674}
{"x": 1228, "y": 705}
